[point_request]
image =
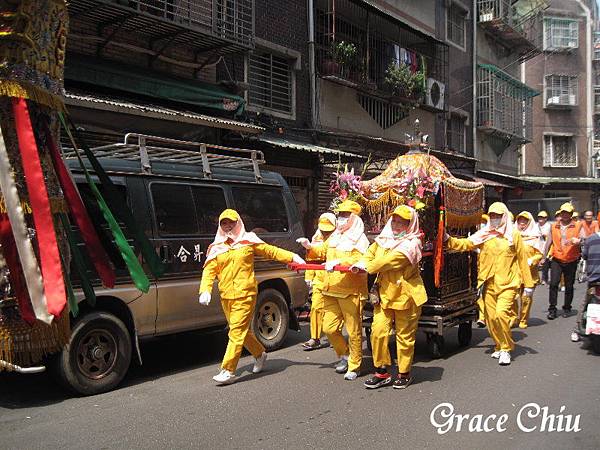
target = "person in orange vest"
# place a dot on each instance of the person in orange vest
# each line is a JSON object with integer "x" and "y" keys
{"x": 545, "y": 229}
{"x": 566, "y": 251}
{"x": 589, "y": 226}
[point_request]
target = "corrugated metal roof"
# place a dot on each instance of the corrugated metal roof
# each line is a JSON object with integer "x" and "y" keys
{"x": 158, "y": 112}
{"x": 562, "y": 180}
{"x": 285, "y": 143}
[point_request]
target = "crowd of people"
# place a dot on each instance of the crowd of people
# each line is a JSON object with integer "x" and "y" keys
{"x": 512, "y": 252}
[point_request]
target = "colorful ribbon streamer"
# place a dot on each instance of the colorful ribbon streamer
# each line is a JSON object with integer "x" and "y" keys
{"x": 80, "y": 215}
{"x": 29, "y": 263}
{"x": 52, "y": 277}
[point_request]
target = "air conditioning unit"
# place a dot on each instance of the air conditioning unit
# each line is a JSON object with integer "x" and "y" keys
{"x": 435, "y": 95}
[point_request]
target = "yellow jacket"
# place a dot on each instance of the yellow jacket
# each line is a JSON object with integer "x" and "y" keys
{"x": 533, "y": 255}
{"x": 234, "y": 270}
{"x": 316, "y": 276}
{"x": 500, "y": 263}
{"x": 340, "y": 284}
{"x": 399, "y": 281}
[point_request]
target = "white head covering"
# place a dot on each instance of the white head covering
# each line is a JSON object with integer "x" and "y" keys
{"x": 351, "y": 236}
{"x": 409, "y": 245}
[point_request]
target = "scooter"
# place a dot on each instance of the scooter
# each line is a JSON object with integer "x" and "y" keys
{"x": 588, "y": 323}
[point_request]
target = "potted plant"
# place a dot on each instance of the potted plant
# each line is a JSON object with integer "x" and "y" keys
{"x": 344, "y": 54}
{"x": 403, "y": 83}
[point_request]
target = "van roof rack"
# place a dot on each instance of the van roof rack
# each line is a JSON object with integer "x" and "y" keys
{"x": 148, "y": 149}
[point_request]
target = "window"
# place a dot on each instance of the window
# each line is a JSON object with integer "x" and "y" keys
{"x": 560, "y": 34}
{"x": 560, "y": 151}
{"x": 455, "y": 133}
{"x": 174, "y": 209}
{"x": 210, "y": 203}
{"x": 271, "y": 83}
{"x": 262, "y": 210}
{"x": 561, "y": 90}
{"x": 456, "y": 25}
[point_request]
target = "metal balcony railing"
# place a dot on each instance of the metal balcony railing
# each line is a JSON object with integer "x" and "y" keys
{"x": 504, "y": 104}
{"x": 206, "y": 25}
{"x": 517, "y": 25}
{"x": 596, "y": 99}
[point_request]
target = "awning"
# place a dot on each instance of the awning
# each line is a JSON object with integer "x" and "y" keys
{"x": 516, "y": 84}
{"x": 125, "y": 78}
{"x": 285, "y": 143}
{"x": 482, "y": 180}
{"x": 156, "y": 112}
{"x": 502, "y": 176}
{"x": 561, "y": 180}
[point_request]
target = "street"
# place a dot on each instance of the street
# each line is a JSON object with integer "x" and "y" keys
{"x": 300, "y": 402}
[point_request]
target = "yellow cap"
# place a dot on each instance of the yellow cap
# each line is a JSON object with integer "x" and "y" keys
{"x": 567, "y": 207}
{"x": 522, "y": 214}
{"x": 230, "y": 214}
{"x": 497, "y": 208}
{"x": 575, "y": 214}
{"x": 404, "y": 212}
{"x": 557, "y": 213}
{"x": 542, "y": 214}
{"x": 349, "y": 206}
{"x": 485, "y": 218}
{"x": 325, "y": 223}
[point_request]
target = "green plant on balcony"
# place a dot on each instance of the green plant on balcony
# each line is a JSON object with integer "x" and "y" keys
{"x": 402, "y": 82}
{"x": 344, "y": 54}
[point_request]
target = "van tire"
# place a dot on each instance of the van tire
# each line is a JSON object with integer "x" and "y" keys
{"x": 271, "y": 319}
{"x": 97, "y": 357}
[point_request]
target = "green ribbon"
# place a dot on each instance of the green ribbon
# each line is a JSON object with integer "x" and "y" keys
{"x": 79, "y": 261}
{"x": 121, "y": 209}
{"x": 133, "y": 265}
{"x": 73, "y": 305}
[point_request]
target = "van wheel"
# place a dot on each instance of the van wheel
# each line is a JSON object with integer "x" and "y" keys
{"x": 97, "y": 357}
{"x": 271, "y": 319}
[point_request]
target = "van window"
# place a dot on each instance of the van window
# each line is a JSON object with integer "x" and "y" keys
{"x": 262, "y": 210}
{"x": 174, "y": 209}
{"x": 210, "y": 203}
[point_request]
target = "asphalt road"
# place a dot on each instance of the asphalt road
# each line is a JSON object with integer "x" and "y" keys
{"x": 299, "y": 401}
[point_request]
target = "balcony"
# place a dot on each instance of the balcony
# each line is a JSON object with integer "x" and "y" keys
{"x": 358, "y": 46}
{"x": 518, "y": 26}
{"x": 504, "y": 105}
{"x": 222, "y": 26}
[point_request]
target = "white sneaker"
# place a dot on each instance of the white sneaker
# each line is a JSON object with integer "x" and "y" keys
{"x": 496, "y": 354}
{"x": 259, "y": 363}
{"x": 504, "y": 359}
{"x": 350, "y": 376}
{"x": 224, "y": 377}
{"x": 342, "y": 365}
{"x": 575, "y": 336}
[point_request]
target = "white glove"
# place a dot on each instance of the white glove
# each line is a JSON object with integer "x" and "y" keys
{"x": 446, "y": 236}
{"x": 298, "y": 260}
{"x": 360, "y": 265}
{"x": 530, "y": 261}
{"x": 329, "y": 265}
{"x": 204, "y": 298}
{"x": 309, "y": 283}
{"x": 304, "y": 243}
{"x": 528, "y": 292}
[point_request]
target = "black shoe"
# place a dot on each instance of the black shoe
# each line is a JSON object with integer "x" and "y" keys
{"x": 378, "y": 380}
{"x": 402, "y": 383}
{"x": 480, "y": 324}
{"x": 566, "y": 313}
{"x": 552, "y": 314}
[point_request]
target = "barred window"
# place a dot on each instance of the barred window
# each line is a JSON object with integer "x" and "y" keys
{"x": 560, "y": 34}
{"x": 456, "y": 25}
{"x": 455, "y": 133}
{"x": 561, "y": 90}
{"x": 270, "y": 79}
{"x": 560, "y": 151}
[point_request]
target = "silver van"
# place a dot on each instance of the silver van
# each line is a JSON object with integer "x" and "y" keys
{"x": 176, "y": 191}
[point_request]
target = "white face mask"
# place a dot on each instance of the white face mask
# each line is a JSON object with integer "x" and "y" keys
{"x": 495, "y": 223}
{"x": 342, "y": 222}
{"x": 399, "y": 235}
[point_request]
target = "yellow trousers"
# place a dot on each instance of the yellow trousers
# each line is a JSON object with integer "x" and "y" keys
{"x": 316, "y": 323}
{"x": 481, "y": 308}
{"x": 239, "y": 313}
{"x": 406, "y": 322}
{"x": 526, "y": 302}
{"x": 500, "y": 315}
{"x": 344, "y": 312}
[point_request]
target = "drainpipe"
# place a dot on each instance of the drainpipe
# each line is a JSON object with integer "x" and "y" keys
{"x": 523, "y": 168}
{"x": 311, "y": 65}
{"x": 588, "y": 85}
{"x": 474, "y": 70}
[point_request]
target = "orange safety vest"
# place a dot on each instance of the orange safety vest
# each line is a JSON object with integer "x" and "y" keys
{"x": 569, "y": 252}
{"x": 589, "y": 229}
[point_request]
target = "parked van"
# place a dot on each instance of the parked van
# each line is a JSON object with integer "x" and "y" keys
{"x": 176, "y": 191}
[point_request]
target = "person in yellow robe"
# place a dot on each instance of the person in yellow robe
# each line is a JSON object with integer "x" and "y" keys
{"x": 534, "y": 248}
{"x": 314, "y": 280}
{"x": 343, "y": 291}
{"x": 395, "y": 257}
{"x": 503, "y": 269}
{"x": 480, "y": 304}
{"x": 230, "y": 260}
